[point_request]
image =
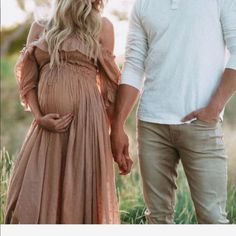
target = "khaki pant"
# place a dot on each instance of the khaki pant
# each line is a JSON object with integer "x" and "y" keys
{"x": 200, "y": 148}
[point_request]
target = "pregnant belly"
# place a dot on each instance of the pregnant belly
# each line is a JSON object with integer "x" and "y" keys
{"x": 65, "y": 91}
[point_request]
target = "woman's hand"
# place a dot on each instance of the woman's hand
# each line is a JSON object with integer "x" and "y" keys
{"x": 55, "y": 122}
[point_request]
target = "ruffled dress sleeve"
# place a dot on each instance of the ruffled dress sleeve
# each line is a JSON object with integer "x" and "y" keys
{"x": 108, "y": 77}
{"x": 27, "y": 74}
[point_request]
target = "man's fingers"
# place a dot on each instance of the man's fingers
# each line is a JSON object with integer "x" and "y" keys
{"x": 129, "y": 164}
{"x": 126, "y": 150}
{"x": 189, "y": 117}
{"x": 118, "y": 157}
{"x": 119, "y": 160}
{"x": 123, "y": 166}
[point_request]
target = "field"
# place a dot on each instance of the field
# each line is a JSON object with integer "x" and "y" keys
{"x": 15, "y": 122}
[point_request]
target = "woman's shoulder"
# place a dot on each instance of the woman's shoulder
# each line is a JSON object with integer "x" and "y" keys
{"x": 36, "y": 30}
{"x": 107, "y": 34}
{"x": 107, "y": 26}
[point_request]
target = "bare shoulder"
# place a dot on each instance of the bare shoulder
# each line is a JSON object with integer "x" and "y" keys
{"x": 106, "y": 24}
{"x": 35, "y": 31}
{"x": 107, "y": 37}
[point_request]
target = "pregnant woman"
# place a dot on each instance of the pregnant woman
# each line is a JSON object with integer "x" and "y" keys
{"x": 68, "y": 79}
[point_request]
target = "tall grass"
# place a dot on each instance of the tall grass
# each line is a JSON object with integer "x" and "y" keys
{"x": 6, "y": 164}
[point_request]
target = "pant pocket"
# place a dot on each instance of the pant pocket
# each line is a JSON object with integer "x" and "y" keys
{"x": 206, "y": 124}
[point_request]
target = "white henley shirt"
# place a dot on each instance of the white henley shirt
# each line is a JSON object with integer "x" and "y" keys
{"x": 176, "y": 55}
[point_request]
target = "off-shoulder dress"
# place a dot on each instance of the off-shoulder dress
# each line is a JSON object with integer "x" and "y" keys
{"x": 66, "y": 178}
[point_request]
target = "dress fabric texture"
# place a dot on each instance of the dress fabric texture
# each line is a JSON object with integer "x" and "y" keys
{"x": 66, "y": 178}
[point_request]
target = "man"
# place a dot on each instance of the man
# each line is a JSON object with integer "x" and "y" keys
{"x": 179, "y": 47}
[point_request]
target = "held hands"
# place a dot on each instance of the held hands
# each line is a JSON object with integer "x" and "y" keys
{"x": 208, "y": 114}
{"x": 55, "y": 122}
{"x": 120, "y": 150}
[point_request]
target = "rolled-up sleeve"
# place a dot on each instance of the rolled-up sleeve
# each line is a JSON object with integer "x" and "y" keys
{"x": 228, "y": 21}
{"x": 136, "y": 50}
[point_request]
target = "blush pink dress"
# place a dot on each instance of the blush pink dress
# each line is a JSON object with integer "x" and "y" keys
{"x": 66, "y": 178}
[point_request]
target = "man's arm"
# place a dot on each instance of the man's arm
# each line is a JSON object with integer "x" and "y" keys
{"x": 227, "y": 86}
{"x": 217, "y": 103}
{"x": 126, "y": 99}
{"x": 131, "y": 84}
{"x": 225, "y": 90}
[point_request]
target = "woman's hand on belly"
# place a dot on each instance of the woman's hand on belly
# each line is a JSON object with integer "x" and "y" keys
{"x": 55, "y": 123}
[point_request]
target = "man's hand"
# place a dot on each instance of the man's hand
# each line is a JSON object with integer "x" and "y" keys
{"x": 129, "y": 163}
{"x": 120, "y": 149}
{"x": 55, "y": 122}
{"x": 218, "y": 101}
{"x": 208, "y": 114}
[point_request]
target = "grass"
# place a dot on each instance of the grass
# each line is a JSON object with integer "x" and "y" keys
{"x": 6, "y": 164}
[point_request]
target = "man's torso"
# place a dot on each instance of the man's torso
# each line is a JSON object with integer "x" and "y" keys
{"x": 185, "y": 58}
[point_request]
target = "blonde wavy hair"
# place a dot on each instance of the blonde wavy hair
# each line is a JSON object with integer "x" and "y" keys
{"x": 74, "y": 17}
